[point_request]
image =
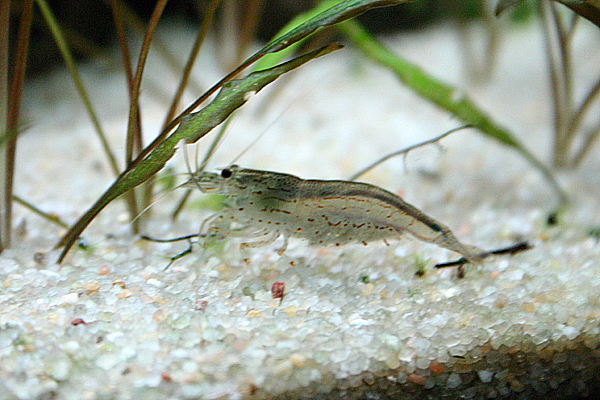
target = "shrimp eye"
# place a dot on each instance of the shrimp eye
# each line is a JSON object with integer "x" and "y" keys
{"x": 226, "y": 173}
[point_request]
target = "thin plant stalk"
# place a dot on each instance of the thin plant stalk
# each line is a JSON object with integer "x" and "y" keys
{"x": 50, "y": 217}
{"x": 137, "y": 80}
{"x": 228, "y": 22}
{"x": 247, "y": 30}
{"x": 137, "y": 125}
{"x": 137, "y": 144}
{"x": 125, "y": 54}
{"x": 592, "y": 95}
{"x": 134, "y": 140}
{"x": 587, "y": 145}
{"x": 14, "y": 108}
{"x": 567, "y": 117}
{"x": 557, "y": 89}
{"x": 563, "y": 38}
{"x": 135, "y": 22}
{"x": 183, "y": 83}
{"x": 4, "y": 128}
{"x": 70, "y": 62}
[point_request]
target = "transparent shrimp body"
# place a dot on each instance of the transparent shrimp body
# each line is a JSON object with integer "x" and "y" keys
{"x": 265, "y": 205}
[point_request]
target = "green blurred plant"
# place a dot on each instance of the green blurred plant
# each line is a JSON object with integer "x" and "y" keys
{"x": 443, "y": 95}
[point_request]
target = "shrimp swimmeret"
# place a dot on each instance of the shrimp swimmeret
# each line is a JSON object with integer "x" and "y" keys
{"x": 269, "y": 204}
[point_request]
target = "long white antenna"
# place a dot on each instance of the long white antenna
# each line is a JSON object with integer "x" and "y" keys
{"x": 261, "y": 134}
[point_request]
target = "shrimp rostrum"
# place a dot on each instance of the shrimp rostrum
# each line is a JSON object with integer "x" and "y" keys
{"x": 264, "y": 205}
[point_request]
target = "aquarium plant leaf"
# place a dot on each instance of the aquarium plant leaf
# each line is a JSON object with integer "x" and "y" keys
{"x": 341, "y": 11}
{"x": 311, "y": 18}
{"x": 441, "y": 94}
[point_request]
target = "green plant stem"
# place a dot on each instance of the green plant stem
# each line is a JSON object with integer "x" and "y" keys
{"x": 117, "y": 12}
{"x": 125, "y": 54}
{"x": 587, "y": 145}
{"x": 66, "y": 54}
{"x": 4, "y": 127}
{"x": 444, "y": 96}
{"x": 592, "y": 94}
{"x": 567, "y": 118}
{"x": 50, "y": 217}
{"x": 134, "y": 138}
{"x": 563, "y": 36}
{"x": 557, "y": 87}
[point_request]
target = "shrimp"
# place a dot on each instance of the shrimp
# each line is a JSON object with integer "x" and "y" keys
{"x": 266, "y": 205}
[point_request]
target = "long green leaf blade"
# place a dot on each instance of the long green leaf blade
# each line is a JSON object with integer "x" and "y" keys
{"x": 441, "y": 94}
{"x": 340, "y": 12}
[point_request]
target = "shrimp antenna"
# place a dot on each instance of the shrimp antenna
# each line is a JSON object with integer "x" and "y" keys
{"x": 405, "y": 151}
{"x": 188, "y": 166}
{"x": 161, "y": 196}
{"x": 276, "y": 119}
{"x": 216, "y": 143}
{"x": 211, "y": 150}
